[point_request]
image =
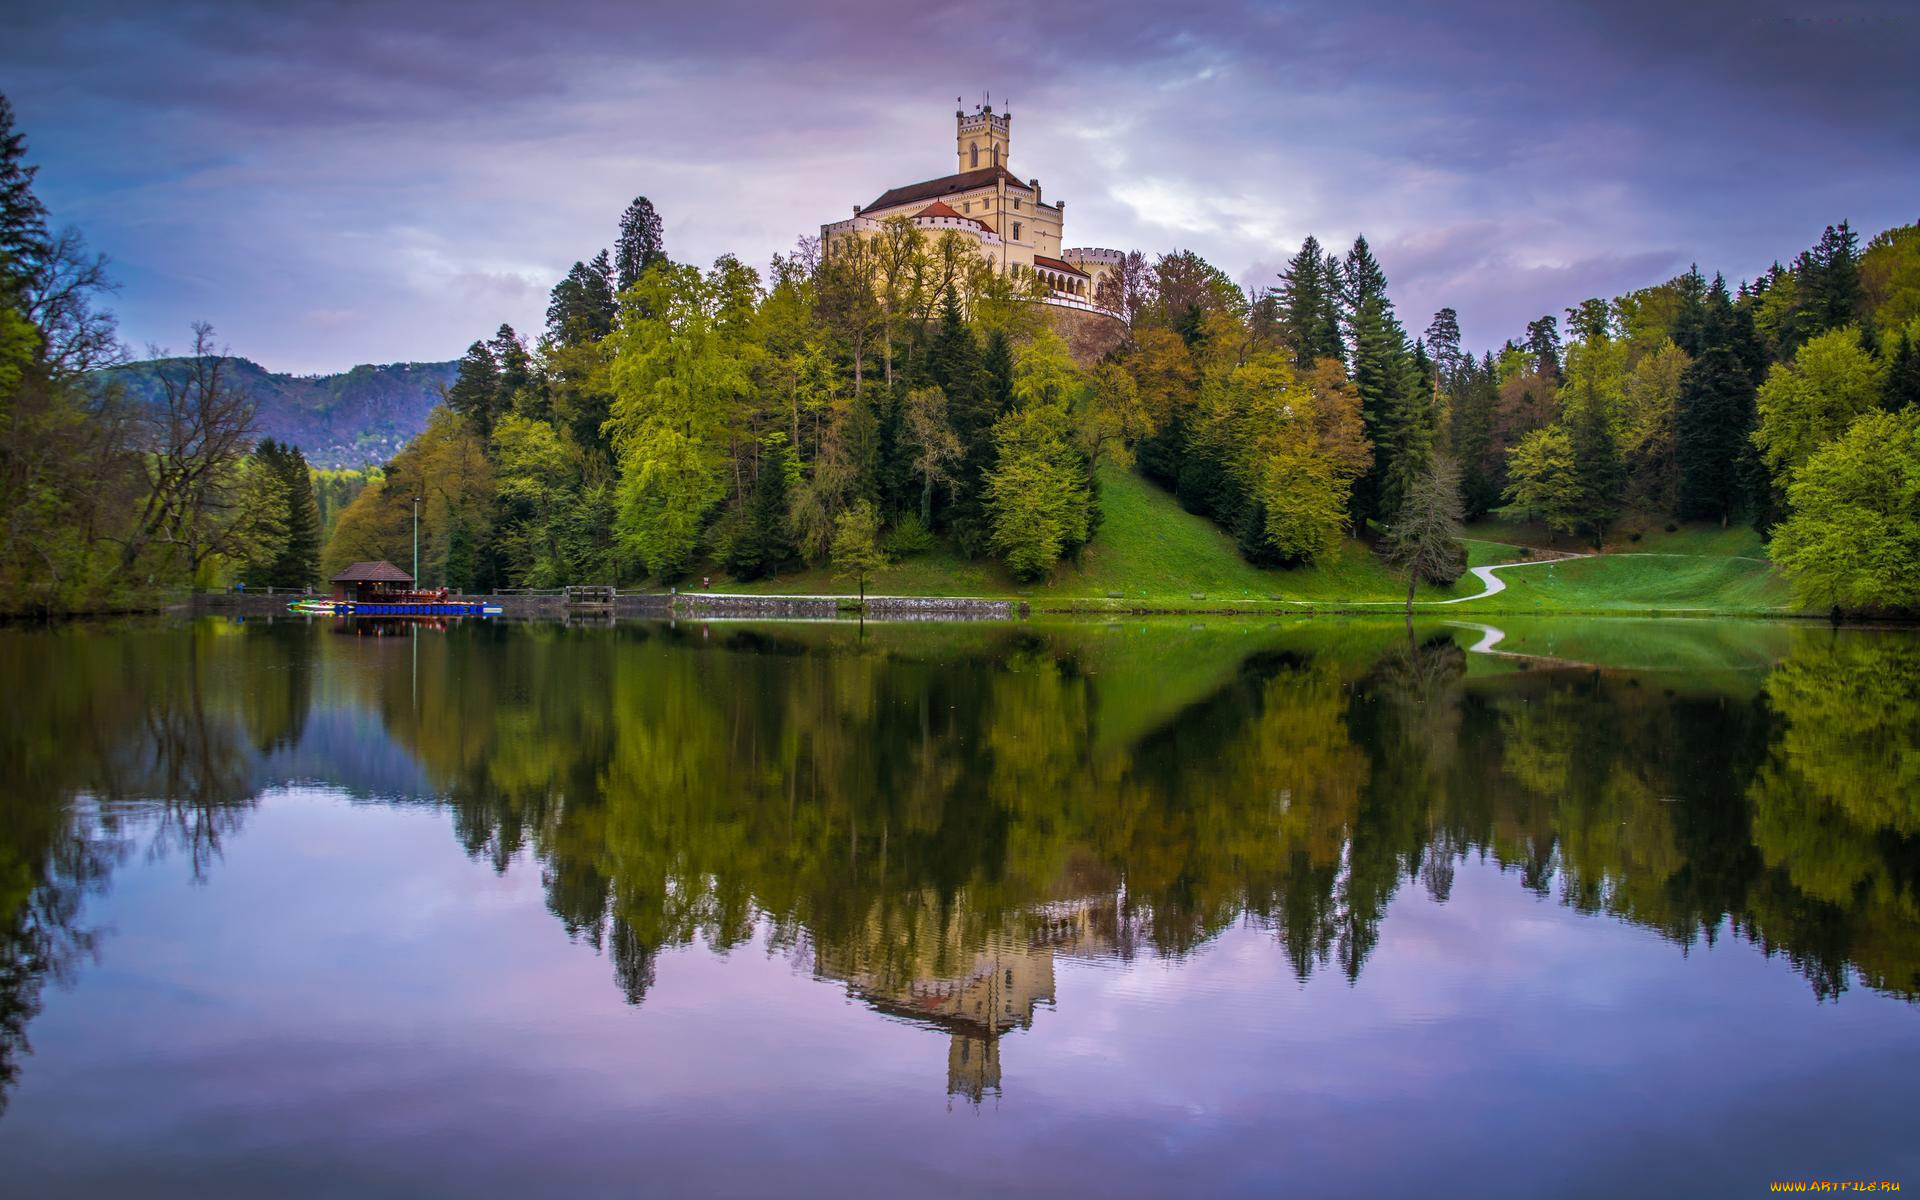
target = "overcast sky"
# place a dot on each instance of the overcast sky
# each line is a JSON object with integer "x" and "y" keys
{"x": 339, "y": 183}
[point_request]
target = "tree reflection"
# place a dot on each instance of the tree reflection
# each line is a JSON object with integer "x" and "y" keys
{"x": 932, "y": 818}
{"x": 892, "y": 811}
{"x": 119, "y": 741}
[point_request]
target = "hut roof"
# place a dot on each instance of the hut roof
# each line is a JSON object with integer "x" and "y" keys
{"x": 373, "y": 572}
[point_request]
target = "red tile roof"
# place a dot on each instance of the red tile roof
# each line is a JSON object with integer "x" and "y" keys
{"x": 947, "y": 185}
{"x": 1054, "y": 264}
{"x": 939, "y": 209}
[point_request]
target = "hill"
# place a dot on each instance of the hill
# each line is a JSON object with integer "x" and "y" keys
{"x": 1152, "y": 554}
{"x": 357, "y": 418}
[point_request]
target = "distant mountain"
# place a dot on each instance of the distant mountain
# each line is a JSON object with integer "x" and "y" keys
{"x": 359, "y": 418}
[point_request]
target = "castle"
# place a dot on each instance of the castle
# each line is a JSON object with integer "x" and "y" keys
{"x": 985, "y": 202}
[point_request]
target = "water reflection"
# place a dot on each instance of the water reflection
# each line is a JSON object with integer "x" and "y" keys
{"x": 931, "y": 817}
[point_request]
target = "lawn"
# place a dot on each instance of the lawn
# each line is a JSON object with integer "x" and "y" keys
{"x": 1151, "y": 554}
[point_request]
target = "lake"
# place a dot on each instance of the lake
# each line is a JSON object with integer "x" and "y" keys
{"x": 1146, "y": 908}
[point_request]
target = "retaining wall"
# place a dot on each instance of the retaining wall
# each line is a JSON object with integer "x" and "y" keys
{"x": 878, "y": 608}
{"x": 522, "y": 606}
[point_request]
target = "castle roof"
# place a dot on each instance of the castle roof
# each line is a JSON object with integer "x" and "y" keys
{"x": 1054, "y": 264}
{"x": 939, "y": 209}
{"x": 946, "y": 185}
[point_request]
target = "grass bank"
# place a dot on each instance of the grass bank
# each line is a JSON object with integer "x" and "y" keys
{"x": 1150, "y": 555}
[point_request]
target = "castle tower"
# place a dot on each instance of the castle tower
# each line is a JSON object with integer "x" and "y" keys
{"x": 984, "y": 138}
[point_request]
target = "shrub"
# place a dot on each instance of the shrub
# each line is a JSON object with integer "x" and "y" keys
{"x": 908, "y": 538}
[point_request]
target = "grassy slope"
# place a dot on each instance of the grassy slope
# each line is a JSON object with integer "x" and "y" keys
{"x": 1151, "y": 553}
{"x": 1662, "y": 582}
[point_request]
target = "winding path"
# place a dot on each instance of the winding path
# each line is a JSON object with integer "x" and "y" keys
{"x": 1495, "y": 584}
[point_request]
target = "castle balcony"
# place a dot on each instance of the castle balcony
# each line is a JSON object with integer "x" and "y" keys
{"x": 1068, "y": 300}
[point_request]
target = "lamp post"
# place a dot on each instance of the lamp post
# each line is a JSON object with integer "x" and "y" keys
{"x": 416, "y": 541}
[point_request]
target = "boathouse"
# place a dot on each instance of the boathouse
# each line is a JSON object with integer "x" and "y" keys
{"x": 372, "y": 581}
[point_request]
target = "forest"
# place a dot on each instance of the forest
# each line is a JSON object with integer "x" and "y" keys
{"x": 899, "y": 395}
{"x": 670, "y": 420}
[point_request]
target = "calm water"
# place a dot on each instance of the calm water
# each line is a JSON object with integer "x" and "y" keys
{"x": 1008, "y": 910}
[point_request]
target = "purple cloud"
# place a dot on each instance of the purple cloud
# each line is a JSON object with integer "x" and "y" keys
{"x": 431, "y": 171}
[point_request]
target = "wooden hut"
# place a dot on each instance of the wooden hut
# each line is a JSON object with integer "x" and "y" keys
{"x": 372, "y": 582}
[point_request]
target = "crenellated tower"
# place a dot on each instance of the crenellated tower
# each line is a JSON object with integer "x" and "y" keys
{"x": 984, "y": 138}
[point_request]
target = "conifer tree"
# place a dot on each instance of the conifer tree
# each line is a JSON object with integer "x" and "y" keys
{"x": 476, "y": 389}
{"x": 1394, "y": 403}
{"x": 767, "y": 541}
{"x": 973, "y": 413}
{"x": 1715, "y": 416}
{"x": 1309, "y": 304}
{"x": 1599, "y": 475}
{"x": 1829, "y": 279}
{"x": 1443, "y": 346}
{"x": 298, "y": 563}
{"x": 516, "y": 365}
{"x": 1470, "y": 433}
{"x": 1543, "y": 344}
{"x": 581, "y": 307}
{"x": 23, "y": 219}
{"x": 639, "y": 244}
{"x": 1903, "y": 375}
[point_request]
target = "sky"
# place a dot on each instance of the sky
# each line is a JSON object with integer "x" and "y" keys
{"x": 337, "y": 183}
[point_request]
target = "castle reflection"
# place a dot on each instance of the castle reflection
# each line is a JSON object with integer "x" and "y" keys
{"x": 935, "y": 817}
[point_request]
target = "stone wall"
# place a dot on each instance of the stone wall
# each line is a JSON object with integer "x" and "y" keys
{"x": 696, "y": 605}
{"x": 1091, "y": 336}
{"x": 635, "y": 606}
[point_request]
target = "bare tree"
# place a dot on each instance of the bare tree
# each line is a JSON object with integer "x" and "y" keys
{"x": 935, "y": 445}
{"x": 1426, "y": 535}
{"x": 192, "y": 443}
{"x": 1128, "y": 288}
{"x": 60, "y": 287}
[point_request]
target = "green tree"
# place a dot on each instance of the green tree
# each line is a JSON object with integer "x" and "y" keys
{"x": 1890, "y": 277}
{"x": 676, "y": 374}
{"x": 1302, "y": 448}
{"x": 534, "y": 474}
{"x": 1648, "y": 425}
{"x": 295, "y": 558}
{"x": 1853, "y": 539}
{"x": 856, "y": 548}
{"x": 1037, "y": 494}
{"x": 1544, "y": 478}
{"x": 1808, "y": 402}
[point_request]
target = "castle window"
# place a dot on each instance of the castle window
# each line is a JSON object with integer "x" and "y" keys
{"x": 1016, "y": 202}
{"x": 1016, "y": 231}
{"x": 996, "y": 156}
{"x": 976, "y": 155}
